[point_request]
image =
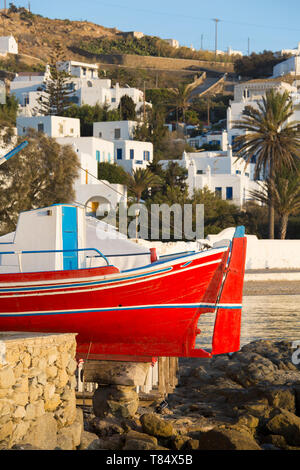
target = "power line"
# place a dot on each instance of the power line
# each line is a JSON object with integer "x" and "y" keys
{"x": 196, "y": 18}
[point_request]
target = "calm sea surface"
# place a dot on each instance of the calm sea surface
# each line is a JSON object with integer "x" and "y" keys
{"x": 275, "y": 317}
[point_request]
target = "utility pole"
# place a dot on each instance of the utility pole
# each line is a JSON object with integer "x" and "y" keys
{"x": 202, "y": 41}
{"x": 248, "y": 46}
{"x": 216, "y": 35}
{"x": 144, "y": 113}
{"x": 208, "y": 109}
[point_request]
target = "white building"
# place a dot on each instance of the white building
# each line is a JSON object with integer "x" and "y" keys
{"x": 95, "y": 195}
{"x": 84, "y": 83}
{"x": 249, "y": 94}
{"x": 220, "y": 172}
{"x": 229, "y": 51}
{"x": 8, "y": 45}
{"x": 132, "y": 154}
{"x": 217, "y": 137}
{"x": 54, "y": 126}
{"x": 173, "y": 42}
{"x": 114, "y": 130}
{"x": 295, "y": 51}
{"x": 290, "y": 66}
{"x": 79, "y": 69}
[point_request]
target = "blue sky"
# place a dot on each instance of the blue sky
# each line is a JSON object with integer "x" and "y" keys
{"x": 269, "y": 24}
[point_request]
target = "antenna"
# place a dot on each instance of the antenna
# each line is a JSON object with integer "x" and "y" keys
{"x": 216, "y": 20}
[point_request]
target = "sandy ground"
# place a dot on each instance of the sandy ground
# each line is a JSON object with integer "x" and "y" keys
{"x": 271, "y": 287}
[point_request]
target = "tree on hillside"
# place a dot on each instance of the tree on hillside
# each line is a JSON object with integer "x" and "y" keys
{"x": 57, "y": 90}
{"x": 270, "y": 138}
{"x": 258, "y": 65}
{"x": 41, "y": 175}
{"x": 285, "y": 189}
{"x": 126, "y": 109}
{"x": 181, "y": 100}
{"x": 140, "y": 181}
{"x": 112, "y": 173}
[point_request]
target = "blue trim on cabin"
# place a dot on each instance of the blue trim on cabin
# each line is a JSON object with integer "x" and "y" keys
{"x": 70, "y": 237}
{"x": 239, "y": 232}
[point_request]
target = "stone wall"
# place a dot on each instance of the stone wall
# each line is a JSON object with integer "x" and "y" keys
{"x": 160, "y": 63}
{"x": 37, "y": 391}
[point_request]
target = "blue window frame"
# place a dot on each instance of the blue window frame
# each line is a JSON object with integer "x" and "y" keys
{"x": 119, "y": 154}
{"x": 98, "y": 155}
{"x": 146, "y": 155}
{"x": 131, "y": 152}
{"x": 109, "y": 157}
{"x": 218, "y": 192}
{"x": 229, "y": 193}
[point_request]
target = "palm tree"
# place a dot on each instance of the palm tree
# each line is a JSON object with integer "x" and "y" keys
{"x": 140, "y": 180}
{"x": 285, "y": 189}
{"x": 269, "y": 137}
{"x": 181, "y": 98}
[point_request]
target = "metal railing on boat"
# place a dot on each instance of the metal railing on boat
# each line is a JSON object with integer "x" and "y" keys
{"x": 19, "y": 253}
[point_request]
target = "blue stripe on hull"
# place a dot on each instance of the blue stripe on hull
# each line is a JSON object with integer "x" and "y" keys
{"x": 119, "y": 309}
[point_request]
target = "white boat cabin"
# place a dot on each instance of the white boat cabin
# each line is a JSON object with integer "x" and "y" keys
{"x": 62, "y": 237}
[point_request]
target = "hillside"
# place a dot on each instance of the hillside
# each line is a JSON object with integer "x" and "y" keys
{"x": 36, "y": 35}
{"x": 82, "y": 39}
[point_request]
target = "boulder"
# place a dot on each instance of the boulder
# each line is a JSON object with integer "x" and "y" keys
{"x": 89, "y": 441}
{"x": 227, "y": 439}
{"x": 43, "y": 434}
{"x": 285, "y": 424}
{"x": 118, "y": 400}
{"x": 156, "y": 426}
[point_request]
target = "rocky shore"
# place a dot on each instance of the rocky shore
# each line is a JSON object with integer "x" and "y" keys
{"x": 248, "y": 400}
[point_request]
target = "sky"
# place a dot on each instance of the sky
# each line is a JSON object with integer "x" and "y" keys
{"x": 261, "y": 24}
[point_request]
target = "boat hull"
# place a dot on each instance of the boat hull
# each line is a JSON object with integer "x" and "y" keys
{"x": 148, "y": 312}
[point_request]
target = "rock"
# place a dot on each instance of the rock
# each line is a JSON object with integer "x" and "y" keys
{"x": 118, "y": 373}
{"x": 191, "y": 444}
{"x": 156, "y": 426}
{"x": 140, "y": 441}
{"x": 24, "y": 447}
{"x": 285, "y": 424}
{"x": 106, "y": 427}
{"x": 247, "y": 421}
{"x": 115, "y": 442}
{"x": 178, "y": 442}
{"x": 43, "y": 433}
{"x": 227, "y": 439}
{"x": 7, "y": 377}
{"x": 282, "y": 398}
{"x": 89, "y": 441}
{"x": 141, "y": 436}
{"x": 137, "y": 444}
{"x": 275, "y": 440}
{"x": 121, "y": 401}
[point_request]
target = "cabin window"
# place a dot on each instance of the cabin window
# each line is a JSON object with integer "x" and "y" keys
{"x": 119, "y": 154}
{"x": 40, "y": 127}
{"x": 117, "y": 133}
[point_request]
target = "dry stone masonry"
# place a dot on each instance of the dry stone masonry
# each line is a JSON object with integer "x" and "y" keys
{"x": 37, "y": 391}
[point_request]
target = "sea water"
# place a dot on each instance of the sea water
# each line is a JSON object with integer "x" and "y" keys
{"x": 274, "y": 317}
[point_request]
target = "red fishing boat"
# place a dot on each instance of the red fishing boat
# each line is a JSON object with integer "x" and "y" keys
{"x": 114, "y": 294}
